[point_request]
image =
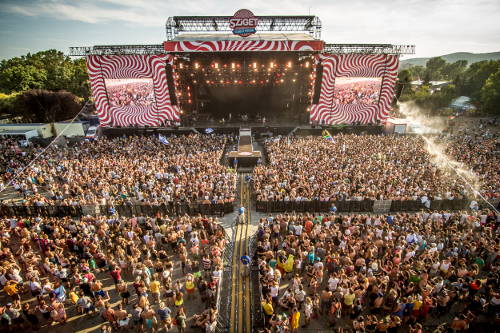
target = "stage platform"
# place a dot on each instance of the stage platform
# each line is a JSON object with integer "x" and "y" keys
{"x": 246, "y": 155}
{"x": 257, "y": 129}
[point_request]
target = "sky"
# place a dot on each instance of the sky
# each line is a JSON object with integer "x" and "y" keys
{"x": 436, "y": 27}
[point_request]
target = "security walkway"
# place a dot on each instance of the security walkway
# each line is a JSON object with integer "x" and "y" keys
{"x": 240, "y": 294}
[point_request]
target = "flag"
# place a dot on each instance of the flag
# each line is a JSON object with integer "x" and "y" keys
{"x": 162, "y": 139}
{"x": 208, "y": 130}
{"x": 327, "y": 135}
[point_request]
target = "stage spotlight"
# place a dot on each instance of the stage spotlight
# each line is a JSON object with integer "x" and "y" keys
{"x": 254, "y": 65}
{"x": 272, "y": 64}
{"x": 216, "y": 65}
{"x": 196, "y": 66}
{"x": 232, "y": 65}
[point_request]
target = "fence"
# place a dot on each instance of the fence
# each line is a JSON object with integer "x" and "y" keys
{"x": 224, "y": 286}
{"x": 358, "y": 206}
{"x": 121, "y": 210}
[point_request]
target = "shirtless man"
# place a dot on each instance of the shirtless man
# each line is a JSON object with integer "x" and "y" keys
{"x": 100, "y": 303}
{"x": 442, "y": 301}
{"x": 121, "y": 317}
{"x": 96, "y": 288}
{"x": 459, "y": 323}
{"x": 149, "y": 316}
{"x": 325, "y": 299}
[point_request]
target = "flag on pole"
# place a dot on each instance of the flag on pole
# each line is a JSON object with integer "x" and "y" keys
{"x": 208, "y": 130}
{"x": 327, "y": 135}
{"x": 162, "y": 139}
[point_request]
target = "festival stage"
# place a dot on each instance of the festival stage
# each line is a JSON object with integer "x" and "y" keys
{"x": 219, "y": 69}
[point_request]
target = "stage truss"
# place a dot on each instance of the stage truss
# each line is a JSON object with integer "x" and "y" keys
{"x": 102, "y": 50}
{"x": 176, "y": 24}
{"x": 368, "y": 49}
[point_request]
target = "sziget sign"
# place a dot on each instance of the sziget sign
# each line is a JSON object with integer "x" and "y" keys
{"x": 243, "y": 23}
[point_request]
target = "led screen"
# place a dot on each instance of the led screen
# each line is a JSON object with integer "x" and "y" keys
{"x": 130, "y": 92}
{"x": 357, "y": 90}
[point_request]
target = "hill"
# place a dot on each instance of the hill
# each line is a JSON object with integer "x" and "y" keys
{"x": 452, "y": 57}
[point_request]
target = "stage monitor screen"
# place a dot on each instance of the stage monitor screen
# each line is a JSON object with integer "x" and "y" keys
{"x": 130, "y": 92}
{"x": 357, "y": 90}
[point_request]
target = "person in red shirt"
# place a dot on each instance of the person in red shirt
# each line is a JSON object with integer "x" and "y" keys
{"x": 115, "y": 274}
{"x": 308, "y": 226}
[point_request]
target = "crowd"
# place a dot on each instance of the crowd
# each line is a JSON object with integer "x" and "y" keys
{"x": 158, "y": 267}
{"x": 378, "y": 273}
{"x": 357, "y": 91}
{"x": 366, "y": 167}
{"x": 13, "y": 158}
{"x": 138, "y": 93}
{"x": 477, "y": 151}
{"x": 134, "y": 170}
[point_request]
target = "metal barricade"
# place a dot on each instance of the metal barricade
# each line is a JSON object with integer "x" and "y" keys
{"x": 395, "y": 206}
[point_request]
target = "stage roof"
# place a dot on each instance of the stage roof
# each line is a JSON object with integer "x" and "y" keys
{"x": 215, "y": 37}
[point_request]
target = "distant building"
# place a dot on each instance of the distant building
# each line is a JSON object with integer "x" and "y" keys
{"x": 43, "y": 130}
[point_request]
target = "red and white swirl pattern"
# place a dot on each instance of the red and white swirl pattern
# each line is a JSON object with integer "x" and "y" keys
{"x": 243, "y": 45}
{"x": 137, "y": 67}
{"x": 355, "y": 65}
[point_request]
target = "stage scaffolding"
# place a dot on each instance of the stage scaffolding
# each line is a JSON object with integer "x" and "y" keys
{"x": 177, "y": 24}
{"x": 158, "y": 49}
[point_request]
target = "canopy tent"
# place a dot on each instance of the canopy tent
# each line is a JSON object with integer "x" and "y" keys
{"x": 462, "y": 103}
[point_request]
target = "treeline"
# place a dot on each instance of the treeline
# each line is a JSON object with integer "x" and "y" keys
{"x": 480, "y": 81}
{"x": 42, "y": 87}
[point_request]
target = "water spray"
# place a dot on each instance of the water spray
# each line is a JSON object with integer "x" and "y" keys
{"x": 445, "y": 159}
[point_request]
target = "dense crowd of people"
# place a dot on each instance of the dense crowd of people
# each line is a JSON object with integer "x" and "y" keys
{"x": 356, "y": 91}
{"x": 137, "y": 93}
{"x": 158, "y": 266}
{"x": 134, "y": 170}
{"x": 477, "y": 151}
{"x": 378, "y": 273}
{"x": 366, "y": 167}
{"x": 13, "y": 158}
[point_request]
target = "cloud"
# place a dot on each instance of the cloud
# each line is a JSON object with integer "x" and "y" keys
{"x": 433, "y": 25}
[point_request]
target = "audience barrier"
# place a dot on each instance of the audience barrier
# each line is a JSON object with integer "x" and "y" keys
{"x": 359, "y": 206}
{"x": 225, "y": 284}
{"x": 121, "y": 210}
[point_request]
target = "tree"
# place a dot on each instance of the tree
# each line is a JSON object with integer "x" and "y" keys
{"x": 427, "y": 80}
{"x": 405, "y": 82}
{"x": 450, "y": 71}
{"x": 21, "y": 78}
{"x": 434, "y": 66}
{"x": 418, "y": 70}
{"x": 41, "y": 106}
{"x": 49, "y": 70}
{"x": 490, "y": 95}
{"x": 7, "y": 103}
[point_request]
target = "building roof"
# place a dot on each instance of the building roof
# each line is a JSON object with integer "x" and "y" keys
{"x": 228, "y": 36}
{"x": 17, "y": 132}
{"x": 24, "y": 124}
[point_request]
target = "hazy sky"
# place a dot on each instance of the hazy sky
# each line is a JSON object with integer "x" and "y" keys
{"x": 436, "y": 27}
